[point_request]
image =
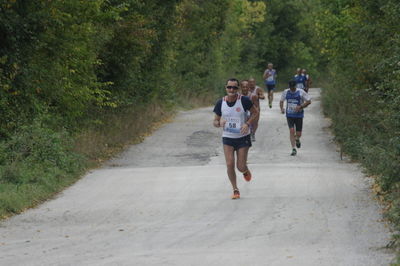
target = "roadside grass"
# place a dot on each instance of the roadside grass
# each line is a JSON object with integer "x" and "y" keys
{"x": 362, "y": 128}
{"x": 116, "y": 130}
{"x": 38, "y": 162}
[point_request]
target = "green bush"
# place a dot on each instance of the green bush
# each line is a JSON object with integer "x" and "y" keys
{"x": 34, "y": 162}
{"x": 361, "y": 41}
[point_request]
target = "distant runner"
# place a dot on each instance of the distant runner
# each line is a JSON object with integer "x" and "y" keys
{"x": 308, "y": 80}
{"x": 256, "y": 89}
{"x": 230, "y": 114}
{"x": 296, "y": 100}
{"x": 244, "y": 88}
{"x": 300, "y": 79}
{"x": 259, "y": 92}
{"x": 270, "y": 82}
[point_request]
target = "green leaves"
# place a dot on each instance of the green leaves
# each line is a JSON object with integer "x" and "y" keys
{"x": 361, "y": 40}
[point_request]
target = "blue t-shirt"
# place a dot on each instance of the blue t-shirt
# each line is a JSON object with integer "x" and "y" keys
{"x": 271, "y": 80}
{"x": 300, "y": 79}
{"x": 294, "y": 99}
{"x": 246, "y": 102}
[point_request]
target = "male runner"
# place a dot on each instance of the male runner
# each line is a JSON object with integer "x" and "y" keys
{"x": 256, "y": 89}
{"x": 230, "y": 114}
{"x": 244, "y": 88}
{"x": 259, "y": 92}
{"x": 270, "y": 81}
{"x": 297, "y": 99}
{"x": 308, "y": 80}
{"x": 300, "y": 79}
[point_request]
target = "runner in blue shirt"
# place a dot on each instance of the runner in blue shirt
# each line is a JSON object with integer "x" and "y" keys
{"x": 270, "y": 82}
{"x": 296, "y": 100}
{"x": 300, "y": 79}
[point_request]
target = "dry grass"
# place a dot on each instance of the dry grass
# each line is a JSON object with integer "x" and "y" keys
{"x": 191, "y": 100}
{"x": 118, "y": 130}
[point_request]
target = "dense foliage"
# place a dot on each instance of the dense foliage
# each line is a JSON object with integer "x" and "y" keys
{"x": 361, "y": 41}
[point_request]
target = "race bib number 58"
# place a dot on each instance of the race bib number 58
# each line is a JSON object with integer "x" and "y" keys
{"x": 232, "y": 125}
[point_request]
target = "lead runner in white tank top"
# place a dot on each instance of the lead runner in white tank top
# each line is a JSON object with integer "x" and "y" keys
{"x": 235, "y": 117}
{"x": 236, "y": 139}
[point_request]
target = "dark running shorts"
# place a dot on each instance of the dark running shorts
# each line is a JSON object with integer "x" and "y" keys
{"x": 270, "y": 87}
{"x": 237, "y": 143}
{"x": 295, "y": 121}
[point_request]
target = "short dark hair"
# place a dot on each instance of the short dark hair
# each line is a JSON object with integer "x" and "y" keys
{"x": 292, "y": 83}
{"x": 233, "y": 79}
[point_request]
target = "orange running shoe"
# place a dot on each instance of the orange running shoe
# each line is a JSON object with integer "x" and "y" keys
{"x": 247, "y": 176}
{"x": 236, "y": 194}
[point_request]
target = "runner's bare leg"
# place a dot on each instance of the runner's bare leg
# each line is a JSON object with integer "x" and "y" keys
{"x": 292, "y": 137}
{"x": 242, "y": 159}
{"x": 230, "y": 165}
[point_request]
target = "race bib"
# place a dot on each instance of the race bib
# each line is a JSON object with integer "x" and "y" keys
{"x": 270, "y": 78}
{"x": 291, "y": 108}
{"x": 232, "y": 124}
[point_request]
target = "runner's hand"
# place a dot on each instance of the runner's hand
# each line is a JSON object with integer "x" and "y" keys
{"x": 244, "y": 129}
{"x": 282, "y": 111}
{"x": 222, "y": 123}
{"x": 298, "y": 108}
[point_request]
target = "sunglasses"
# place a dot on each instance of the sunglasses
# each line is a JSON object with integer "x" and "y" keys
{"x": 232, "y": 87}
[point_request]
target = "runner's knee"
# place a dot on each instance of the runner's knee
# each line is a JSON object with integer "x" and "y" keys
{"x": 230, "y": 164}
{"x": 241, "y": 167}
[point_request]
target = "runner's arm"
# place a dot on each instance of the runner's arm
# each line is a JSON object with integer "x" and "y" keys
{"x": 256, "y": 102}
{"x": 253, "y": 115}
{"x": 217, "y": 111}
{"x": 306, "y": 100}
{"x": 283, "y": 97}
{"x": 281, "y": 106}
{"x": 260, "y": 93}
{"x": 305, "y": 104}
{"x": 248, "y": 105}
{"x": 217, "y": 121}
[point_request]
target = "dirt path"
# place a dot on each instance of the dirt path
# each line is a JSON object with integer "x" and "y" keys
{"x": 166, "y": 202}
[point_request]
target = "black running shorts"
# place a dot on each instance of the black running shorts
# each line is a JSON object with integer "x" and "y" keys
{"x": 270, "y": 87}
{"x": 237, "y": 143}
{"x": 295, "y": 122}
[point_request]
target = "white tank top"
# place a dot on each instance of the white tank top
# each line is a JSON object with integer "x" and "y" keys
{"x": 235, "y": 117}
